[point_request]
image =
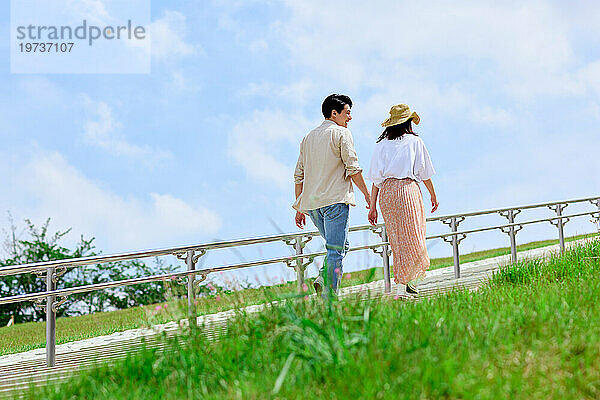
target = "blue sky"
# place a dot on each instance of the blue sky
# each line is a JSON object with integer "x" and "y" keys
{"x": 204, "y": 146}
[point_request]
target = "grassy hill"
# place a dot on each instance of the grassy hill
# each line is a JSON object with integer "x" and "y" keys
{"x": 533, "y": 332}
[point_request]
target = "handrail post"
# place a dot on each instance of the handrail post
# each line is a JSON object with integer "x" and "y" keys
{"x": 513, "y": 241}
{"x": 559, "y": 223}
{"x": 298, "y": 243}
{"x": 561, "y": 234}
{"x": 384, "y": 252}
{"x": 386, "y": 263}
{"x": 512, "y": 230}
{"x": 299, "y": 264}
{"x": 191, "y": 266}
{"x": 453, "y": 223}
{"x": 597, "y": 203}
{"x": 455, "y": 254}
{"x": 50, "y": 319}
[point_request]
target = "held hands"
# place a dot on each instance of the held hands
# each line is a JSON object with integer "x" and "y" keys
{"x": 373, "y": 216}
{"x": 300, "y": 220}
{"x": 367, "y": 198}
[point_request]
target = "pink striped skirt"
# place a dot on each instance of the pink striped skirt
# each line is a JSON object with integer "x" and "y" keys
{"x": 401, "y": 204}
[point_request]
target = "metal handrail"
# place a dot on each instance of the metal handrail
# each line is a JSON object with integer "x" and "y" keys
{"x": 80, "y": 261}
{"x": 191, "y": 253}
{"x": 287, "y": 260}
{"x": 169, "y": 276}
{"x": 73, "y": 262}
{"x": 498, "y": 210}
{"x": 516, "y": 224}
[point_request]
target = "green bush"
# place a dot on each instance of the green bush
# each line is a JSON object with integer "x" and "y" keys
{"x": 39, "y": 245}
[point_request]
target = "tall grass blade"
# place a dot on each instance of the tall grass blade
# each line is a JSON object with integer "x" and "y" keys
{"x": 283, "y": 373}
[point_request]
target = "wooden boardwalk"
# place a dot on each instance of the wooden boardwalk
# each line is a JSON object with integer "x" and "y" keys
{"x": 18, "y": 371}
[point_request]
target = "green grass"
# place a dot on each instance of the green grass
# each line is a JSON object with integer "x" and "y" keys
{"x": 377, "y": 273}
{"x": 32, "y": 335}
{"x": 28, "y": 336}
{"x": 532, "y": 333}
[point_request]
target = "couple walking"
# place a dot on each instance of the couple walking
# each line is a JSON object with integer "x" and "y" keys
{"x": 326, "y": 170}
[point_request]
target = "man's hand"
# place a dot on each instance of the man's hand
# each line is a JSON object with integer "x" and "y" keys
{"x": 434, "y": 203}
{"x": 373, "y": 216}
{"x": 300, "y": 220}
{"x": 367, "y": 199}
{"x": 359, "y": 181}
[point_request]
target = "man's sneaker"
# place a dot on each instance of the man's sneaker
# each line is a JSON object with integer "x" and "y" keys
{"x": 411, "y": 290}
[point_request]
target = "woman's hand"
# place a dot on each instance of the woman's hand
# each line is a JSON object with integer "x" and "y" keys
{"x": 431, "y": 189}
{"x": 434, "y": 203}
{"x": 373, "y": 216}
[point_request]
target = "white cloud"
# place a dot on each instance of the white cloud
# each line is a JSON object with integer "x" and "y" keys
{"x": 256, "y": 144}
{"x": 488, "y": 75}
{"x": 93, "y": 11}
{"x": 492, "y": 116}
{"x": 478, "y": 61}
{"x": 526, "y": 166}
{"x": 45, "y": 185}
{"x": 518, "y": 37}
{"x": 102, "y": 130}
{"x": 181, "y": 83}
{"x": 178, "y": 81}
{"x": 422, "y": 94}
{"x": 513, "y": 51}
{"x": 166, "y": 33}
{"x": 589, "y": 77}
{"x": 43, "y": 92}
{"x": 167, "y": 41}
{"x": 258, "y": 45}
{"x": 295, "y": 92}
{"x": 167, "y": 37}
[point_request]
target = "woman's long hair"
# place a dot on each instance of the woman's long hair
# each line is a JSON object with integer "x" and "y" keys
{"x": 397, "y": 131}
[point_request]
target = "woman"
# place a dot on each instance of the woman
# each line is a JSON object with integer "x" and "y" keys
{"x": 400, "y": 161}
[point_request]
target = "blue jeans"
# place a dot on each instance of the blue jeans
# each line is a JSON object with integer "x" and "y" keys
{"x": 332, "y": 223}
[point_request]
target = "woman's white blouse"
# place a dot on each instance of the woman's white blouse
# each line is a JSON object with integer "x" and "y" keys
{"x": 406, "y": 157}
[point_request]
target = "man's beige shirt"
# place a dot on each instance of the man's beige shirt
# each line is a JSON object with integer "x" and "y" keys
{"x": 326, "y": 162}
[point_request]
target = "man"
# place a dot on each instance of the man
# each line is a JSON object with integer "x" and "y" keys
{"x": 326, "y": 168}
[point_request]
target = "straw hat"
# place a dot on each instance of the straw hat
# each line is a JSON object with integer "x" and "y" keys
{"x": 400, "y": 113}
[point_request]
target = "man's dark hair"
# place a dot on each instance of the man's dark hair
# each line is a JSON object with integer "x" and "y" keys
{"x": 335, "y": 102}
{"x": 397, "y": 131}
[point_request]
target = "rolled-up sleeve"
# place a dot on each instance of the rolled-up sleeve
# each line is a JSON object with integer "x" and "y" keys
{"x": 348, "y": 154}
{"x": 423, "y": 166}
{"x": 299, "y": 171}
